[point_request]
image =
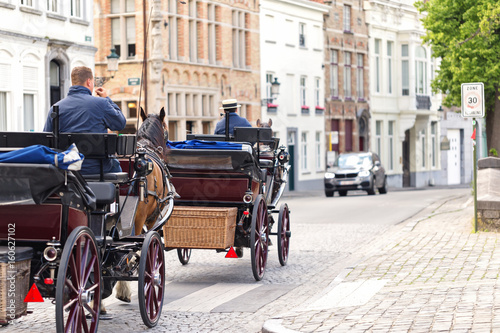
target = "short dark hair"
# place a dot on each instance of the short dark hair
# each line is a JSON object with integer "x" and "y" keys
{"x": 80, "y": 74}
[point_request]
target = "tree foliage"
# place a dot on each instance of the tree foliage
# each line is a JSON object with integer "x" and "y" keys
{"x": 465, "y": 34}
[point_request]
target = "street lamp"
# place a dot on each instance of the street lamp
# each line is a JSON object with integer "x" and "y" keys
{"x": 112, "y": 68}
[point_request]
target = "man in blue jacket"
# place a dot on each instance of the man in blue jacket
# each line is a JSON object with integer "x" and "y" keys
{"x": 230, "y": 106}
{"x": 80, "y": 112}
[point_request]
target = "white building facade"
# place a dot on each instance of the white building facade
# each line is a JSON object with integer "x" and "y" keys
{"x": 291, "y": 45}
{"x": 40, "y": 42}
{"x": 405, "y": 121}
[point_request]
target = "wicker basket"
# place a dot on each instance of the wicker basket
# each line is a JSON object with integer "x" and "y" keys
{"x": 200, "y": 227}
{"x": 14, "y": 283}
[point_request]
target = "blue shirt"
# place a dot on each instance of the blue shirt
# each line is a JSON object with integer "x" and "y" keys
{"x": 234, "y": 121}
{"x": 80, "y": 112}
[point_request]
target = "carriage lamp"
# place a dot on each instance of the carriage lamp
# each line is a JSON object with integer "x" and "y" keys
{"x": 50, "y": 253}
{"x": 247, "y": 198}
{"x": 112, "y": 69}
{"x": 283, "y": 156}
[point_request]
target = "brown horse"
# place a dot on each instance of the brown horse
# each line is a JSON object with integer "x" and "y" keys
{"x": 151, "y": 137}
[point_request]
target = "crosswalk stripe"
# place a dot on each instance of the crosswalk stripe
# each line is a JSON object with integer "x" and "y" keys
{"x": 206, "y": 299}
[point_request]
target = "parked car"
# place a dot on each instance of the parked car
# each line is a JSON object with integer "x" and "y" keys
{"x": 356, "y": 171}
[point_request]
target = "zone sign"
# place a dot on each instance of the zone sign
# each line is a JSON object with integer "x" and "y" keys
{"x": 473, "y": 100}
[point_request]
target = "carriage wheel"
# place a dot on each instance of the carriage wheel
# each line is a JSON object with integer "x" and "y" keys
{"x": 78, "y": 289}
{"x": 184, "y": 255}
{"x": 151, "y": 279}
{"x": 283, "y": 234}
{"x": 259, "y": 238}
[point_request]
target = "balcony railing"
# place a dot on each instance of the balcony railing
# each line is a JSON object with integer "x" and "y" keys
{"x": 423, "y": 102}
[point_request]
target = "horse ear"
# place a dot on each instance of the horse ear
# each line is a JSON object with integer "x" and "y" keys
{"x": 258, "y": 122}
{"x": 143, "y": 114}
{"x": 270, "y": 122}
{"x": 162, "y": 114}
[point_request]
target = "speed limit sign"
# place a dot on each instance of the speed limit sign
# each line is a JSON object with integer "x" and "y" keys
{"x": 473, "y": 100}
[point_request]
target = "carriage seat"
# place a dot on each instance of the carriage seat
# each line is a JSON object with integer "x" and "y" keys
{"x": 105, "y": 192}
{"x": 113, "y": 177}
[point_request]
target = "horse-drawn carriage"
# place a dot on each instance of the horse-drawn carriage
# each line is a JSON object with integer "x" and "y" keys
{"x": 229, "y": 188}
{"x": 79, "y": 232}
{"x": 82, "y": 234}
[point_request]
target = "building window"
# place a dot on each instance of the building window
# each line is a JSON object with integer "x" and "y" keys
{"x": 302, "y": 34}
{"x": 378, "y": 137}
{"x": 239, "y": 39}
{"x": 303, "y": 91}
{"x": 123, "y": 28}
{"x": 359, "y": 78}
{"x": 193, "y": 35}
{"x": 317, "y": 92}
{"x": 405, "y": 71}
{"x": 422, "y": 139}
{"x": 303, "y": 144}
{"x": 389, "y": 67}
{"x": 3, "y": 111}
{"x": 391, "y": 145}
{"x": 347, "y": 75}
{"x": 420, "y": 71}
{"x": 28, "y": 3}
{"x": 172, "y": 131}
{"x": 433, "y": 143}
{"x": 318, "y": 151}
{"x": 269, "y": 80}
{"x": 52, "y": 6}
{"x": 77, "y": 8}
{"x": 29, "y": 112}
{"x": 334, "y": 73}
{"x": 172, "y": 30}
{"x": 347, "y": 18}
{"x": 377, "y": 65}
{"x": 211, "y": 40}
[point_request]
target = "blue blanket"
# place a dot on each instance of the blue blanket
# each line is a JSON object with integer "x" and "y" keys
{"x": 70, "y": 159}
{"x": 202, "y": 144}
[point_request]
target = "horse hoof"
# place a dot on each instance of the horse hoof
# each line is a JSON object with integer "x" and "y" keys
{"x": 124, "y": 299}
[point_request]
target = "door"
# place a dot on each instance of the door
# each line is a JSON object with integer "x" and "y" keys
{"x": 454, "y": 166}
{"x": 55, "y": 82}
{"x": 406, "y": 160}
{"x": 291, "y": 162}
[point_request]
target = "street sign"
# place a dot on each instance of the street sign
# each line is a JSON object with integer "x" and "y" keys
{"x": 473, "y": 100}
{"x": 135, "y": 81}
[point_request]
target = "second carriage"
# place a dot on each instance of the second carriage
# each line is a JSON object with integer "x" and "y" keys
{"x": 229, "y": 190}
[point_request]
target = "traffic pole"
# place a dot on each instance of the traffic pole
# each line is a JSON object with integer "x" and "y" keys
{"x": 474, "y": 157}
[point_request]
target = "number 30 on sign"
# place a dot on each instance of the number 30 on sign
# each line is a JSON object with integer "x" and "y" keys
{"x": 473, "y": 100}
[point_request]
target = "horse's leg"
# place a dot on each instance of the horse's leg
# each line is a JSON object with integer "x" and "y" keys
{"x": 140, "y": 217}
{"x": 123, "y": 292}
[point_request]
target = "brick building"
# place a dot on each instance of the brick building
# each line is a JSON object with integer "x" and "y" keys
{"x": 198, "y": 54}
{"x": 346, "y": 78}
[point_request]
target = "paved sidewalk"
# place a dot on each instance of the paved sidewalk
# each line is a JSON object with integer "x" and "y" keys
{"x": 430, "y": 274}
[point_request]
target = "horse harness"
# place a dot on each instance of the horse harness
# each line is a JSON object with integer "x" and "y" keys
{"x": 154, "y": 155}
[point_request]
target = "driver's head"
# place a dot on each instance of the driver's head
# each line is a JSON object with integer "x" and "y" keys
{"x": 80, "y": 76}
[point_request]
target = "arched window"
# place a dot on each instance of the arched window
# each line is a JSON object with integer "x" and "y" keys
{"x": 55, "y": 82}
{"x": 420, "y": 71}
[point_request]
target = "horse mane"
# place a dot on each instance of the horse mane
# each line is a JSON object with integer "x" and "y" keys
{"x": 152, "y": 130}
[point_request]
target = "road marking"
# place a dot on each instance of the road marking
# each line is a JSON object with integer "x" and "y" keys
{"x": 349, "y": 294}
{"x": 206, "y": 299}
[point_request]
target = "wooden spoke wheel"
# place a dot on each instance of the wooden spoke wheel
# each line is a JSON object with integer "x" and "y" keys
{"x": 259, "y": 237}
{"x": 151, "y": 279}
{"x": 184, "y": 255}
{"x": 283, "y": 234}
{"x": 78, "y": 289}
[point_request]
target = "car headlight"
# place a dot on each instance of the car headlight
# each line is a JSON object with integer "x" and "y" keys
{"x": 364, "y": 173}
{"x": 329, "y": 175}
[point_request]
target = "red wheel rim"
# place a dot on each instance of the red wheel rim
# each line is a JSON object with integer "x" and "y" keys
{"x": 154, "y": 275}
{"x": 82, "y": 285}
{"x": 260, "y": 240}
{"x": 284, "y": 238}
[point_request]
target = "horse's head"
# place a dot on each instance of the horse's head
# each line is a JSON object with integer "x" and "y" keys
{"x": 153, "y": 128}
{"x": 261, "y": 124}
